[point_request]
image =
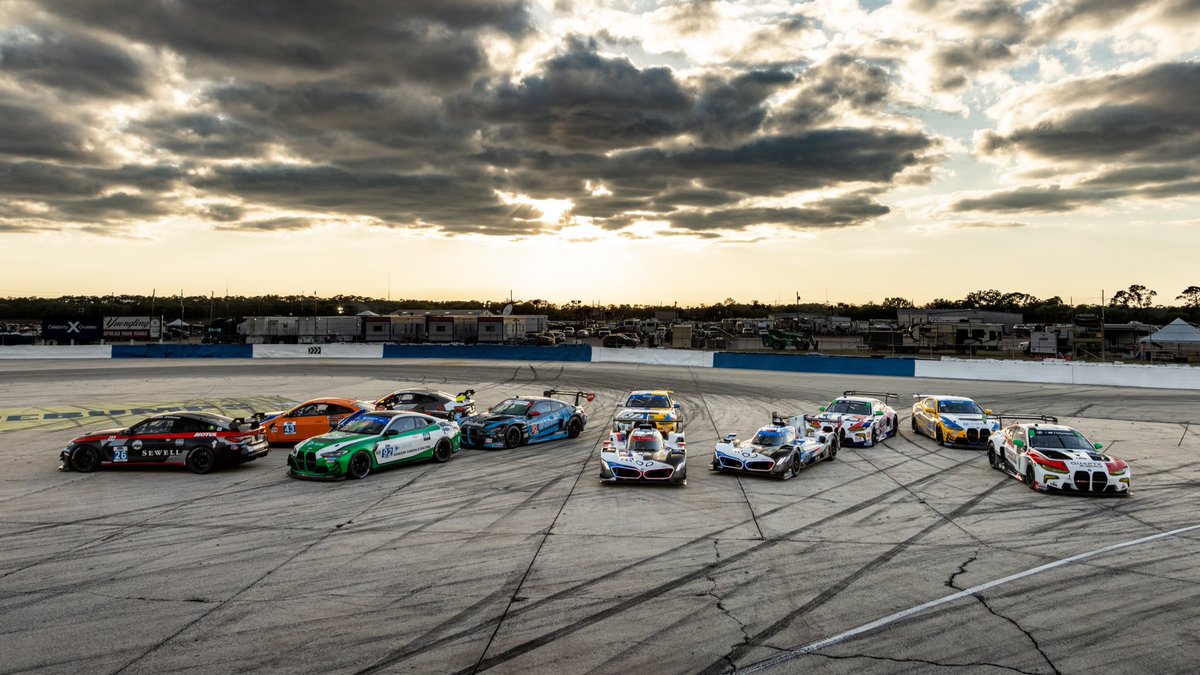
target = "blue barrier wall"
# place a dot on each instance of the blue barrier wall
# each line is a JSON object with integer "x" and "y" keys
{"x": 166, "y": 351}
{"x": 836, "y": 365}
{"x": 575, "y": 353}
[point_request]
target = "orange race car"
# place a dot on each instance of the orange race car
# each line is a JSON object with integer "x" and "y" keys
{"x": 311, "y": 418}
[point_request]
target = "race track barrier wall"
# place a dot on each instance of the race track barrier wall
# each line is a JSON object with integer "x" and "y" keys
{"x": 1055, "y": 371}
{"x": 564, "y": 353}
{"x": 654, "y": 357}
{"x": 812, "y": 363}
{"x": 169, "y": 351}
{"x": 56, "y": 352}
{"x": 332, "y": 351}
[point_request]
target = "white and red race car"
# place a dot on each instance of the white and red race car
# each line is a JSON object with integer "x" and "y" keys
{"x": 861, "y": 417}
{"x": 1051, "y": 457}
{"x": 642, "y": 454}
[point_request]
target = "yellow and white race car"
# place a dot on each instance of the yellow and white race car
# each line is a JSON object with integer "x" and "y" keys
{"x": 953, "y": 420}
{"x": 651, "y": 405}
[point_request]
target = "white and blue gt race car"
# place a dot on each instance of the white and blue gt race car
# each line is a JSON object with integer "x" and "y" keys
{"x": 861, "y": 417}
{"x": 526, "y": 419}
{"x": 643, "y": 455}
{"x": 780, "y": 449}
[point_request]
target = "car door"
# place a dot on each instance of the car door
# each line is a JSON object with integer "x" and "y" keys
{"x": 149, "y": 442}
{"x": 1011, "y": 452}
{"x": 922, "y": 416}
{"x": 335, "y": 413}
{"x": 400, "y": 439}
{"x": 542, "y": 419}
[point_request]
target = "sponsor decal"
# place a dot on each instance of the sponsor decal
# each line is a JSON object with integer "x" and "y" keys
{"x": 137, "y": 445}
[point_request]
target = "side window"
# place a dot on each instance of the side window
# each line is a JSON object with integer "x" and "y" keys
{"x": 185, "y": 425}
{"x": 334, "y": 409}
{"x": 1020, "y": 435}
{"x": 304, "y": 411}
{"x": 543, "y": 407}
{"x": 158, "y": 425}
{"x": 406, "y": 399}
{"x": 404, "y": 424}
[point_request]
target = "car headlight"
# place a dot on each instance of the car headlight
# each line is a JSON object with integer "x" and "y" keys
{"x": 1052, "y": 469}
{"x": 334, "y": 454}
{"x": 951, "y": 424}
{"x": 1118, "y": 472}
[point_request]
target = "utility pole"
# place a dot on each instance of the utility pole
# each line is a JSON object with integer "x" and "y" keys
{"x": 1102, "y": 345}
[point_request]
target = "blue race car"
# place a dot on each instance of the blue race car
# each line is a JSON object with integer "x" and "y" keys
{"x": 526, "y": 419}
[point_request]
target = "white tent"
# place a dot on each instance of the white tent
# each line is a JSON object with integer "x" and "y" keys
{"x": 1178, "y": 332}
{"x": 177, "y": 323}
{"x": 366, "y": 312}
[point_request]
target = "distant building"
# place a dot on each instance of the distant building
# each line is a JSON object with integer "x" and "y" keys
{"x": 908, "y": 317}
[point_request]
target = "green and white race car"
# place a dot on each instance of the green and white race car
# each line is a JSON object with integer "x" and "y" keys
{"x": 374, "y": 440}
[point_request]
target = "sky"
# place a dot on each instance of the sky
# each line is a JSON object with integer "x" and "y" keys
{"x": 608, "y": 151}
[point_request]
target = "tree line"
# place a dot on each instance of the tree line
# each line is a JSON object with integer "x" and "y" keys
{"x": 1136, "y": 303}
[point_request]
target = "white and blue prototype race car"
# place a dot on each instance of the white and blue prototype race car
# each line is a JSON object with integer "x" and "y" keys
{"x": 780, "y": 449}
{"x": 642, "y": 454}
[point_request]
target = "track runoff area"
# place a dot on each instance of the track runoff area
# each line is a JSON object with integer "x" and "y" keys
{"x": 905, "y": 556}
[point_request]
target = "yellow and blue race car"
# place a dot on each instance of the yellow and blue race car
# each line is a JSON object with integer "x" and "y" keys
{"x": 651, "y": 405}
{"x": 953, "y": 420}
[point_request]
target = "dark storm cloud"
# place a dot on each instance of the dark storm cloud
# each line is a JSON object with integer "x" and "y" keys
{"x": 957, "y": 62}
{"x": 434, "y": 41}
{"x": 73, "y": 62}
{"x": 390, "y": 113}
{"x": 583, "y": 100}
{"x": 846, "y": 211}
{"x": 840, "y": 81}
{"x": 1140, "y": 127}
{"x": 37, "y": 133}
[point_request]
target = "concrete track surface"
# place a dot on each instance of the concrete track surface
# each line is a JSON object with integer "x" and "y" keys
{"x": 520, "y": 560}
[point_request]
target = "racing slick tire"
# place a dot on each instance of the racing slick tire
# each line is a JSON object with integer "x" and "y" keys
{"x": 85, "y": 459}
{"x": 512, "y": 437}
{"x": 794, "y": 469}
{"x": 914, "y": 424}
{"x": 874, "y": 436}
{"x": 833, "y": 448}
{"x": 895, "y": 431}
{"x": 201, "y": 460}
{"x": 1030, "y": 477}
{"x": 443, "y": 452}
{"x": 574, "y": 427}
{"x": 939, "y": 436}
{"x": 992, "y": 461}
{"x": 359, "y": 466}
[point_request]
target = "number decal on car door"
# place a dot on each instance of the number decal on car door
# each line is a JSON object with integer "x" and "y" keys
{"x": 120, "y": 454}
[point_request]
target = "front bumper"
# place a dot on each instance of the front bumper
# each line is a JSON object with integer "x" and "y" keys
{"x": 475, "y": 437}
{"x": 1096, "y": 483}
{"x": 664, "y": 427}
{"x": 623, "y": 473}
{"x": 975, "y": 438}
{"x": 755, "y": 464}
{"x": 311, "y": 467}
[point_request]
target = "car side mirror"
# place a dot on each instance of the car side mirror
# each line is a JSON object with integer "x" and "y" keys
{"x": 391, "y": 432}
{"x": 1098, "y": 446}
{"x": 535, "y": 414}
{"x": 678, "y": 406}
{"x": 821, "y": 409}
{"x": 879, "y": 413}
{"x": 1019, "y": 444}
{"x": 987, "y": 411}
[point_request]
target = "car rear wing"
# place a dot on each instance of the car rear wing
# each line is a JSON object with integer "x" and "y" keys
{"x": 237, "y": 423}
{"x": 886, "y": 397}
{"x": 793, "y": 421}
{"x": 1016, "y": 417}
{"x": 587, "y": 395}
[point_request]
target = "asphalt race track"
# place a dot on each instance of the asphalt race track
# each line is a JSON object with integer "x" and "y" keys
{"x": 520, "y": 560}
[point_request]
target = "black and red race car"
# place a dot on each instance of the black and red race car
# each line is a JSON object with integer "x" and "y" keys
{"x": 198, "y": 441}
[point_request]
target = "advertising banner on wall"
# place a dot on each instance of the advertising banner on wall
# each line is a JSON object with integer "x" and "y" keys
{"x": 131, "y": 328}
{"x": 80, "y": 330}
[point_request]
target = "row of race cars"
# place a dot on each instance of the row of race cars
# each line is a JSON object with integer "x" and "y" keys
{"x": 335, "y": 438}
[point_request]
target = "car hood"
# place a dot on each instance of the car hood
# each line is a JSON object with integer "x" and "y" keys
{"x": 659, "y": 456}
{"x": 333, "y": 438}
{"x": 969, "y": 420}
{"x": 1077, "y": 455}
{"x": 103, "y": 432}
{"x": 646, "y": 413}
{"x": 491, "y": 419}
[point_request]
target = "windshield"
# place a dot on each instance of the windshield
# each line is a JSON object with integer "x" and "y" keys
{"x": 850, "y": 408}
{"x": 648, "y": 401}
{"x": 365, "y": 424}
{"x": 1059, "y": 440}
{"x": 512, "y": 406}
{"x": 772, "y": 439}
{"x": 646, "y": 446}
{"x": 959, "y": 408}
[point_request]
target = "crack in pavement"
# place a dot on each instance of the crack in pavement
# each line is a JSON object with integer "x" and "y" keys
{"x": 972, "y": 664}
